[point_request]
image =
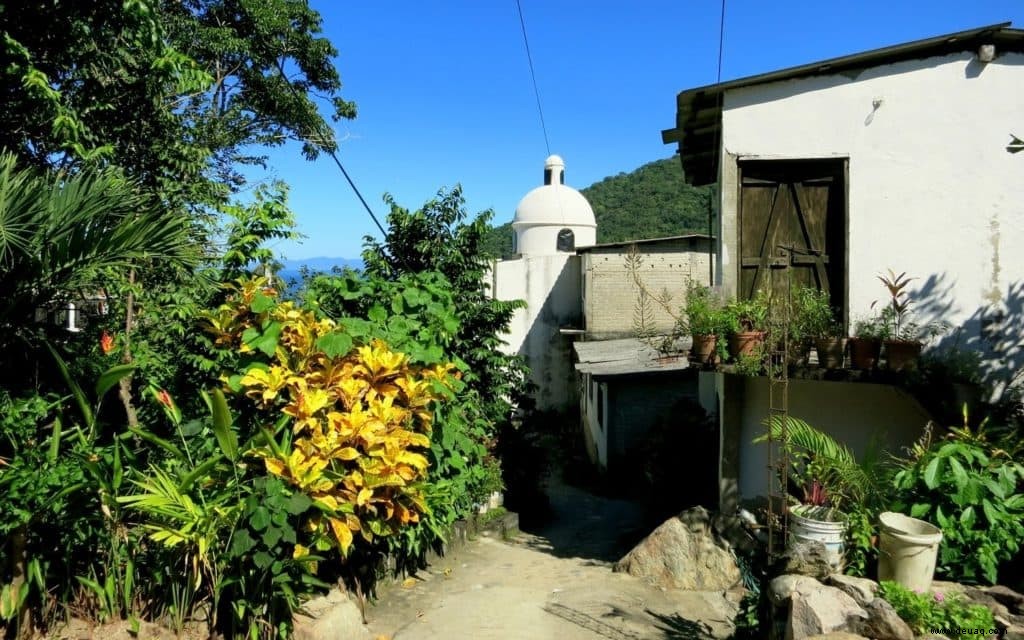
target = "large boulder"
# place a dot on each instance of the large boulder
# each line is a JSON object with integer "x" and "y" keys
{"x": 684, "y": 553}
{"x": 821, "y": 610}
{"x": 330, "y": 617}
{"x": 1008, "y": 597}
{"x": 806, "y": 558}
{"x": 782, "y": 588}
{"x": 882, "y": 623}
{"x": 860, "y": 589}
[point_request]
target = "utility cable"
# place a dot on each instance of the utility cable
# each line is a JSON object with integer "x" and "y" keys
{"x": 718, "y": 141}
{"x": 334, "y": 156}
{"x": 533, "y": 76}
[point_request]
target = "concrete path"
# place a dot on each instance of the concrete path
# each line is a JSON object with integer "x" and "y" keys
{"x": 553, "y": 584}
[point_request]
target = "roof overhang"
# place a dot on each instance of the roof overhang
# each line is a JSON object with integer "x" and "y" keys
{"x": 699, "y": 111}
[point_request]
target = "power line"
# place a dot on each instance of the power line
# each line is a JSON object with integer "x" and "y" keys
{"x": 721, "y": 40}
{"x": 334, "y": 156}
{"x": 533, "y": 76}
{"x": 718, "y": 137}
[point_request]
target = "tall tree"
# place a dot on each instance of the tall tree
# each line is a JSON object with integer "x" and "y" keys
{"x": 438, "y": 237}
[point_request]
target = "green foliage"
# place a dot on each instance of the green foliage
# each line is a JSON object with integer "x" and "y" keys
{"x": 251, "y": 226}
{"x": 925, "y": 612}
{"x": 58, "y": 233}
{"x": 872, "y": 328}
{"x": 859, "y": 554}
{"x": 704, "y": 312}
{"x": 812, "y": 315}
{"x": 967, "y": 485}
{"x": 747, "y": 315}
{"x": 820, "y": 457}
{"x": 649, "y": 202}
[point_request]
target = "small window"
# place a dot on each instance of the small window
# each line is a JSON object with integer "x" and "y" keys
{"x": 566, "y": 240}
{"x": 515, "y": 243}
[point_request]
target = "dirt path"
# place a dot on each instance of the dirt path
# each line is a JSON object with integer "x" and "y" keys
{"x": 555, "y": 583}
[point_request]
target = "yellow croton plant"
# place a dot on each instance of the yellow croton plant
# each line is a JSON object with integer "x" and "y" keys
{"x": 360, "y": 415}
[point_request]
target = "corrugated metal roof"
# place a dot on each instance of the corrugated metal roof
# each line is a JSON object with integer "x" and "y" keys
{"x": 699, "y": 110}
{"x": 626, "y": 243}
{"x": 627, "y": 356}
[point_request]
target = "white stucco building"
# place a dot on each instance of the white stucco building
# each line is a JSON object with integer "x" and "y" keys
{"x": 550, "y": 222}
{"x": 896, "y": 159}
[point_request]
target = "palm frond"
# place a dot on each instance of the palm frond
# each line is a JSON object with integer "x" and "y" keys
{"x": 58, "y": 231}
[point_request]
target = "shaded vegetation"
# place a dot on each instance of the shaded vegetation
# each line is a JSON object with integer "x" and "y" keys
{"x": 649, "y": 202}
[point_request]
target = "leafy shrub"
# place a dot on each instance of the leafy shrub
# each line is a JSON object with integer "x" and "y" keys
{"x": 924, "y": 612}
{"x": 359, "y": 418}
{"x": 813, "y": 315}
{"x": 968, "y": 486}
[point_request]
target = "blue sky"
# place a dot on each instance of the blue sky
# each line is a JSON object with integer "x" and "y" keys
{"x": 444, "y": 93}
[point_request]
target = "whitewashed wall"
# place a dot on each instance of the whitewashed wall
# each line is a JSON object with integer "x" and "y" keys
{"x": 855, "y": 414}
{"x": 932, "y": 189}
{"x": 550, "y": 285}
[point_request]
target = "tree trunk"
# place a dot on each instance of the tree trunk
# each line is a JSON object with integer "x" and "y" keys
{"x": 21, "y": 624}
{"x": 125, "y": 384}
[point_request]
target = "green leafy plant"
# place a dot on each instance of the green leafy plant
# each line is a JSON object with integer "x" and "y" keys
{"x": 750, "y": 314}
{"x": 825, "y": 472}
{"x": 967, "y": 485}
{"x": 813, "y": 315}
{"x": 704, "y": 313}
{"x": 924, "y": 612}
{"x": 872, "y": 328}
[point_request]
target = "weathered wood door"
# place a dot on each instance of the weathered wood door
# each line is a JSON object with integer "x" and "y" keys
{"x": 792, "y": 224}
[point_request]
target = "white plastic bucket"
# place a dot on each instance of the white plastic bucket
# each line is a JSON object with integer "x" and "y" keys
{"x": 803, "y": 527}
{"x": 907, "y": 551}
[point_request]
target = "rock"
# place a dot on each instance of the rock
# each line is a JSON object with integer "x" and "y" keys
{"x": 734, "y": 530}
{"x": 804, "y": 558}
{"x": 1008, "y": 597}
{"x": 838, "y": 635}
{"x": 860, "y": 589}
{"x": 1011, "y": 627}
{"x": 683, "y": 553}
{"x": 330, "y": 617}
{"x": 883, "y": 623}
{"x": 782, "y": 588}
{"x": 982, "y": 597}
{"x": 822, "y": 610}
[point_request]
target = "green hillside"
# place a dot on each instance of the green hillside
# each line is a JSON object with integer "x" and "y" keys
{"x": 649, "y": 202}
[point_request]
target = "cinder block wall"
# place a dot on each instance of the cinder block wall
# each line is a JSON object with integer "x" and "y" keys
{"x": 611, "y": 296}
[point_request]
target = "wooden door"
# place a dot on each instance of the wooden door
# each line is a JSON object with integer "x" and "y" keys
{"x": 792, "y": 227}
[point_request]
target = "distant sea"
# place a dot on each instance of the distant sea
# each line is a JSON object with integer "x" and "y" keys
{"x": 292, "y": 270}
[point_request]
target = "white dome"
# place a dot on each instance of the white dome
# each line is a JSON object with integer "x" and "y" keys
{"x": 554, "y": 203}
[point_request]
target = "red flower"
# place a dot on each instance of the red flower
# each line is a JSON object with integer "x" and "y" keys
{"x": 165, "y": 399}
{"x": 106, "y": 342}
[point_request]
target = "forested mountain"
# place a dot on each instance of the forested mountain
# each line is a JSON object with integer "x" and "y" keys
{"x": 649, "y": 202}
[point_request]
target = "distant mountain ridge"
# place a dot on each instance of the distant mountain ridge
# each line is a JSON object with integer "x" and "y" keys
{"x": 651, "y": 201}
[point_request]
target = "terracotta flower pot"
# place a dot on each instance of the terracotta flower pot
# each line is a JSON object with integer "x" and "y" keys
{"x": 864, "y": 352}
{"x": 745, "y": 343}
{"x": 902, "y": 354}
{"x": 703, "y": 350}
{"x": 831, "y": 352}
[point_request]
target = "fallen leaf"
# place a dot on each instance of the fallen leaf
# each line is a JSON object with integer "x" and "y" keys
{"x": 408, "y": 582}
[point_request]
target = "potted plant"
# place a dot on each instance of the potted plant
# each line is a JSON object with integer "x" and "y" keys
{"x": 826, "y": 484}
{"x": 815, "y": 321}
{"x": 705, "y": 321}
{"x": 866, "y": 342}
{"x": 747, "y": 321}
{"x": 905, "y": 338}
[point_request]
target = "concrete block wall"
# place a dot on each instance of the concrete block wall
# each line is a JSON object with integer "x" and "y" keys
{"x": 611, "y": 295}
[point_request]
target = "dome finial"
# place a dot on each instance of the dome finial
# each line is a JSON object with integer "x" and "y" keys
{"x": 554, "y": 170}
